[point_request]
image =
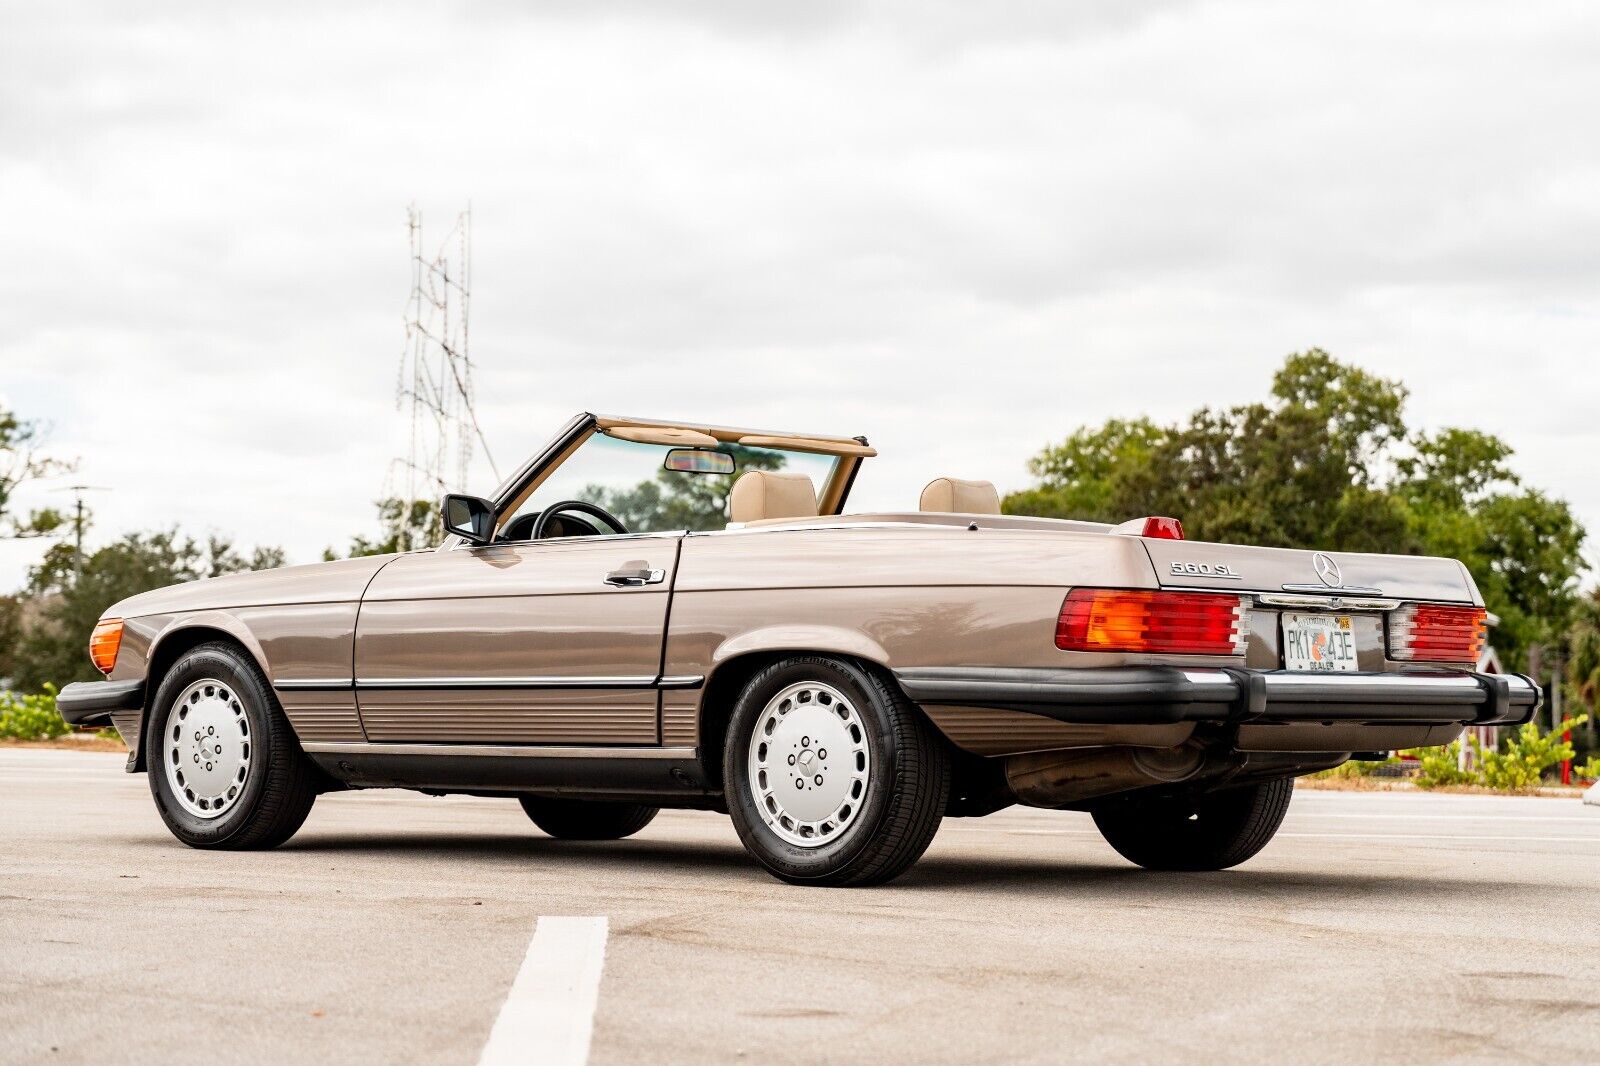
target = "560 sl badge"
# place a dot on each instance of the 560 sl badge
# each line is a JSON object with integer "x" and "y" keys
{"x": 1222, "y": 570}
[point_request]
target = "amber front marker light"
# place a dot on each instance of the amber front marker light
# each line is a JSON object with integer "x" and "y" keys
{"x": 104, "y": 644}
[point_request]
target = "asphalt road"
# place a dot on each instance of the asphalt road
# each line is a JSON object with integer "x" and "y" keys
{"x": 1413, "y": 927}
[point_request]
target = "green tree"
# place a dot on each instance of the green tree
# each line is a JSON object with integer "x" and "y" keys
{"x": 680, "y": 500}
{"x": 406, "y": 525}
{"x": 10, "y": 632}
{"x": 1327, "y": 461}
{"x": 66, "y": 604}
{"x": 21, "y": 461}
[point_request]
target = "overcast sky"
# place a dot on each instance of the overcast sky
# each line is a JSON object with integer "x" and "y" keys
{"x": 960, "y": 229}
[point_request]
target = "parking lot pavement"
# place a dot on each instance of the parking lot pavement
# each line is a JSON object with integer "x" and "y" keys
{"x": 1414, "y": 927}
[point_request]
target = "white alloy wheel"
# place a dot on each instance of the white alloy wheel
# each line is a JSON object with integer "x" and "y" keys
{"x": 206, "y": 748}
{"x": 809, "y": 763}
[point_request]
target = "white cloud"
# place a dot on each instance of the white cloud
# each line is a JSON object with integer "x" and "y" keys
{"x": 960, "y": 229}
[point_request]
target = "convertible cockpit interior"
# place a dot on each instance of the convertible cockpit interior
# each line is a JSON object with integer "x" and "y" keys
{"x": 615, "y": 475}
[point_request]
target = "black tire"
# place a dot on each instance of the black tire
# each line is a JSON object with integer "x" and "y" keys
{"x": 280, "y": 782}
{"x": 903, "y": 798}
{"x": 1212, "y": 831}
{"x": 587, "y": 820}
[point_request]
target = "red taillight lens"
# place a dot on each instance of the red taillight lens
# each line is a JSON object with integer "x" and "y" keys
{"x": 1431, "y": 633}
{"x": 1176, "y": 623}
{"x": 105, "y": 643}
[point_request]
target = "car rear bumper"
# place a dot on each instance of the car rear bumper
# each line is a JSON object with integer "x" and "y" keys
{"x": 94, "y": 702}
{"x": 1158, "y": 695}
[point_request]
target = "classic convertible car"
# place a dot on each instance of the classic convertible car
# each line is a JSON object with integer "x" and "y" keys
{"x": 652, "y": 614}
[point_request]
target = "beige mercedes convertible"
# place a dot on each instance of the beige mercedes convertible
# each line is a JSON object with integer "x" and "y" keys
{"x": 654, "y": 614}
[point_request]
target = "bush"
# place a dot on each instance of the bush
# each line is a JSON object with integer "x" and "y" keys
{"x": 1441, "y": 767}
{"x": 1526, "y": 755}
{"x": 1352, "y": 769}
{"x": 31, "y": 717}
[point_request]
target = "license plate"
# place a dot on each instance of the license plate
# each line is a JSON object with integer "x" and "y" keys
{"x": 1318, "y": 643}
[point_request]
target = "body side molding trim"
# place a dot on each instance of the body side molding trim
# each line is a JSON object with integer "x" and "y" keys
{"x": 553, "y": 681}
{"x": 524, "y": 751}
{"x": 625, "y": 681}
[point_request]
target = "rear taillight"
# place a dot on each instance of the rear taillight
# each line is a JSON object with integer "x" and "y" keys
{"x": 105, "y": 643}
{"x": 1175, "y": 623}
{"x": 1431, "y": 633}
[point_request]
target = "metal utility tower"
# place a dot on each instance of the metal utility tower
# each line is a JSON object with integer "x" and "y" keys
{"x": 435, "y": 383}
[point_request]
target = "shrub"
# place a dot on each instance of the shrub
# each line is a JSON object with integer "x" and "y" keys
{"x": 1526, "y": 755}
{"x": 1441, "y": 767}
{"x": 31, "y": 717}
{"x": 1589, "y": 771}
{"x": 1353, "y": 768}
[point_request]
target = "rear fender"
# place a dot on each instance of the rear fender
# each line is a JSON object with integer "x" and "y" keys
{"x": 802, "y": 639}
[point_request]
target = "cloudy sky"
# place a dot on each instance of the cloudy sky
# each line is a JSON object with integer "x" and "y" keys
{"x": 961, "y": 229}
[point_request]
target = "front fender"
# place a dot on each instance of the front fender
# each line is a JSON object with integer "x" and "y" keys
{"x": 160, "y": 631}
{"x": 155, "y": 640}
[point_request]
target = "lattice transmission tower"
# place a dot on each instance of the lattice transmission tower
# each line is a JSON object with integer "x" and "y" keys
{"x": 435, "y": 381}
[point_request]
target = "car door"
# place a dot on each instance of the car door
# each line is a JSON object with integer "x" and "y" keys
{"x": 550, "y": 642}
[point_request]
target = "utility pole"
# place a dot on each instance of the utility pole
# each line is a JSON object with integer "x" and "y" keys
{"x": 80, "y": 522}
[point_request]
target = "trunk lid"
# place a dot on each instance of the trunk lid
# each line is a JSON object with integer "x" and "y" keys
{"x": 1236, "y": 568}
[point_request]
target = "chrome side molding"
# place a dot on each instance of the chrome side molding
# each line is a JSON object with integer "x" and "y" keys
{"x": 515, "y": 751}
{"x": 295, "y": 684}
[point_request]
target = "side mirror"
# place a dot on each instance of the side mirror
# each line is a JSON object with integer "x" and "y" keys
{"x": 469, "y": 517}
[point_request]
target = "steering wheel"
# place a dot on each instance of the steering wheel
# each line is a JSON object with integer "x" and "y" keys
{"x": 594, "y": 510}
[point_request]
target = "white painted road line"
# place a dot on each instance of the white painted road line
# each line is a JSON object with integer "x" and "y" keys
{"x": 548, "y": 1016}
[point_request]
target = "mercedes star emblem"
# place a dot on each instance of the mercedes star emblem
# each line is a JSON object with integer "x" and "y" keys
{"x": 1327, "y": 570}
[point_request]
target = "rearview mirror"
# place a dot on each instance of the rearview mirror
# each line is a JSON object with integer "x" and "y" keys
{"x": 469, "y": 517}
{"x": 698, "y": 461}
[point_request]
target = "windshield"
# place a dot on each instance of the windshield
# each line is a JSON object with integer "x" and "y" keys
{"x": 630, "y": 480}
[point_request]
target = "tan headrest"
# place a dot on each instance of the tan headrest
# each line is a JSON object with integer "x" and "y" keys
{"x": 760, "y": 494}
{"x": 951, "y": 495}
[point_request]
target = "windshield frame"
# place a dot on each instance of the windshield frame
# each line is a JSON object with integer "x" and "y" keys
{"x": 831, "y": 497}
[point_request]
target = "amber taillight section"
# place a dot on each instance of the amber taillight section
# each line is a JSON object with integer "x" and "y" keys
{"x": 1434, "y": 633}
{"x": 1135, "y": 620}
{"x": 104, "y": 643}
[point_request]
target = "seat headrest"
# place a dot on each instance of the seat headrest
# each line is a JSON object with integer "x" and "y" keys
{"x": 762, "y": 494}
{"x": 952, "y": 495}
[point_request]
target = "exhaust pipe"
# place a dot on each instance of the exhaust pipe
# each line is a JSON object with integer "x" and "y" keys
{"x": 1057, "y": 778}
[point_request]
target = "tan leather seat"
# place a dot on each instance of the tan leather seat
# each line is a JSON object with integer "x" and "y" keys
{"x": 952, "y": 495}
{"x": 762, "y": 494}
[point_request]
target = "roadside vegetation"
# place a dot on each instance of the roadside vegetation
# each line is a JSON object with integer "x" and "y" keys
{"x": 1522, "y": 762}
{"x": 1325, "y": 460}
{"x": 31, "y": 717}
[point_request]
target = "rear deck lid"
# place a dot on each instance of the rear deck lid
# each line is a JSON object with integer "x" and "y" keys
{"x": 1230, "y": 567}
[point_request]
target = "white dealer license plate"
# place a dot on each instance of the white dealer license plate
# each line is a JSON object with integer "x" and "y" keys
{"x": 1318, "y": 643}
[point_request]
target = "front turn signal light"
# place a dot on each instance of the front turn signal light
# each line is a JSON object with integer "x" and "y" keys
{"x": 104, "y": 644}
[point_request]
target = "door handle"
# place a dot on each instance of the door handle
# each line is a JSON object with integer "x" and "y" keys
{"x": 633, "y": 577}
